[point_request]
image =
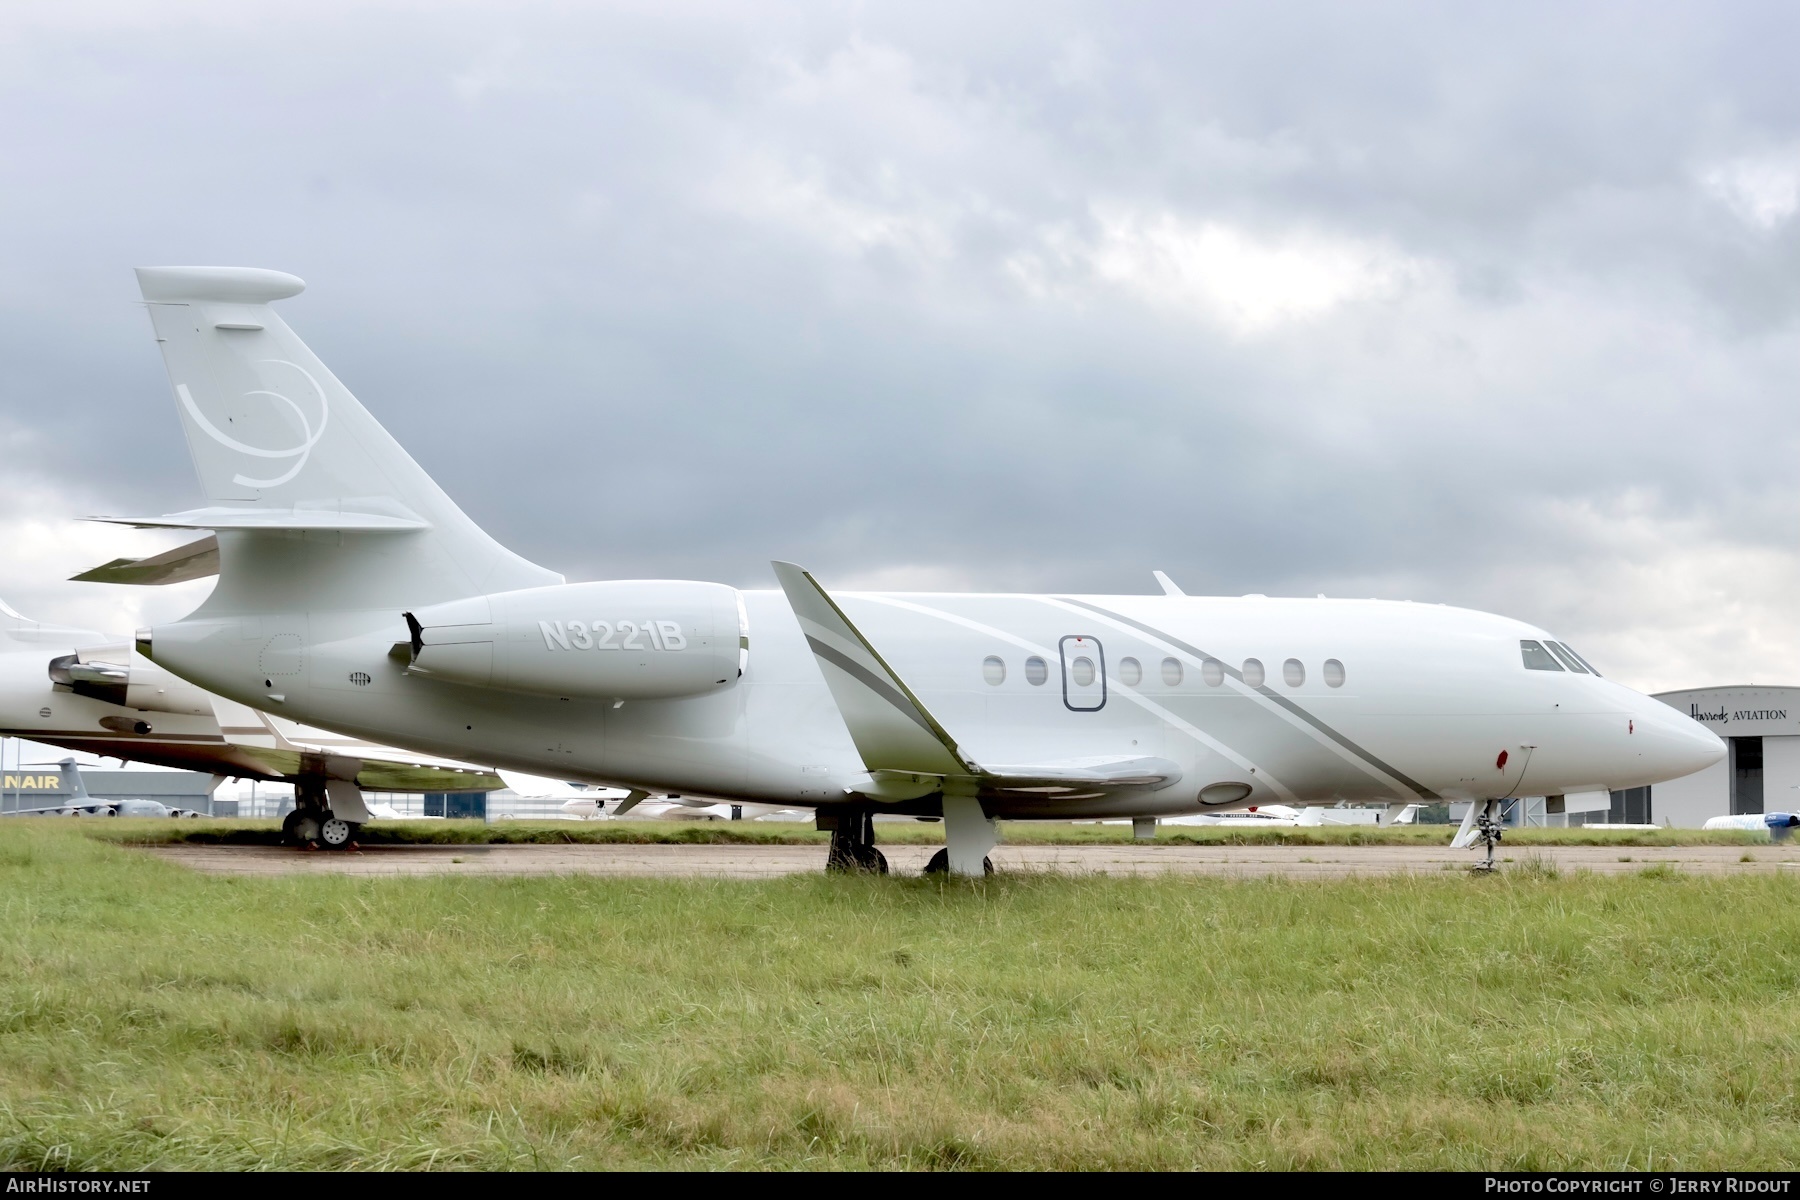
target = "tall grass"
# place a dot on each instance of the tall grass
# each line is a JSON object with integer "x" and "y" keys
{"x": 153, "y": 1017}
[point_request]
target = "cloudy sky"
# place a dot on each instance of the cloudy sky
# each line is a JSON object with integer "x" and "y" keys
{"x": 1493, "y": 307}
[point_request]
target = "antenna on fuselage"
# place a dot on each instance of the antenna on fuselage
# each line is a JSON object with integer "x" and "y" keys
{"x": 1168, "y": 585}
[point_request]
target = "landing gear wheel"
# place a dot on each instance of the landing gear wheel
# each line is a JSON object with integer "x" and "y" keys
{"x": 335, "y": 833}
{"x": 300, "y": 828}
{"x": 940, "y": 864}
{"x": 857, "y": 858}
{"x": 853, "y": 845}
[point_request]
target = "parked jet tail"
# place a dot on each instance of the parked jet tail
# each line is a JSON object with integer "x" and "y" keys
{"x": 316, "y": 505}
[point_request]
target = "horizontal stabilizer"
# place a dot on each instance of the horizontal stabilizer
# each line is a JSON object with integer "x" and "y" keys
{"x": 892, "y": 730}
{"x": 196, "y": 560}
{"x": 273, "y": 519}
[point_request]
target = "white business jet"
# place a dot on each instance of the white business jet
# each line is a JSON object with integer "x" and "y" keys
{"x": 1779, "y": 826}
{"x": 584, "y": 802}
{"x": 1271, "y": 816}
{"x": 353, "y": 594}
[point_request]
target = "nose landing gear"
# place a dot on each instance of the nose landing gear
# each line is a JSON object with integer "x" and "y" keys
{"x": 1488, "y": 832}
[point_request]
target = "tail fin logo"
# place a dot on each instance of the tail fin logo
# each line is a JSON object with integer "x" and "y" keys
{"x": 300, "y": 453}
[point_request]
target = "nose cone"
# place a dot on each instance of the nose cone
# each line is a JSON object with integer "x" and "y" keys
{"x": 1672, "y": 744}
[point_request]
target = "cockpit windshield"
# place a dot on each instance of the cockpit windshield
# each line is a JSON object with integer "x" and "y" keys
{"x": 1554, "y": 656}
{"x": 1567, "y": 659}
{"x": 1537, "y": 658}
{"x": 1570, "y": 651}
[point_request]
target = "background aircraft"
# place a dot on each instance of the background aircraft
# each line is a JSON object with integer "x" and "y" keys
{"x": 80, "y": 804}
{"x": 589, "y": 803}
{"x": 81, "y": 690}
{"x": 355, "y": 595}
{"x": 1778, "y": 825}
{"x": 1268, "y": 815}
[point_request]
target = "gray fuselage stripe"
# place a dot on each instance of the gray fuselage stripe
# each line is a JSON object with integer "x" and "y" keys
{"x": 870, "y": 680}
{"x": 1264, "y": 690}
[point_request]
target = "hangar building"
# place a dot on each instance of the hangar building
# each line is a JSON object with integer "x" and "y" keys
{"x": 1761, "y": 772}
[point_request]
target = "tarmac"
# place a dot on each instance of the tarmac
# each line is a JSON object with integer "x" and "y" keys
{"x": 766, "y": 862}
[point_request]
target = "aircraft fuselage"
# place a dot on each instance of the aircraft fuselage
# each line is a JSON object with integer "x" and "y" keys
{"x": 1360, "y": 700}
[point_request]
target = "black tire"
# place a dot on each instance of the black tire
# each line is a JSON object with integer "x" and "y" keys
{"x": 858, "y": 859}
{"x": 290, "y": 828}
{"x": 940, "y": 864}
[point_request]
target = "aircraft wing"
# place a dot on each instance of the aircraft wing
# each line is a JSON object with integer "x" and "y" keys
{"x": 290, "y": 748}
{"x": 892, "y": 730}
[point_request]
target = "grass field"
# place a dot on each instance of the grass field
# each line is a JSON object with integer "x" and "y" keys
{"x": 152, "y": 1017}
{"x": 247, "y": 832}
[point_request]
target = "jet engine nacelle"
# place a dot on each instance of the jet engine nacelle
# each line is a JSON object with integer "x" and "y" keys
{"x": 623, "y": 640}
{"x": 118, "y": 676}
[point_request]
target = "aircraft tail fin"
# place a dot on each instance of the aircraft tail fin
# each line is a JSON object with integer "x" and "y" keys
{"x": 77, "y": 786}
{"x": 12, "y": 621}
{"x": 307, "y": 491}
{"x": 16, "y": 629}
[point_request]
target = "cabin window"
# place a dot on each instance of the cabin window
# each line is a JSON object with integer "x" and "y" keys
{"x": 1036, "y": 671}
{"x": 1537, "y": 658}
{"x": 993, "y": 669}
{"x": 1568, "y": 660}
{"x": 1082, "y": 672}
{"x": 1131, "y": 672}
{"x": 1213, "y": 671}
{"x": 1293, "y": 672}
{"x": 1171, "y": 669}
{"x": 1571, "y": 652}
{"x": 1334, "y": 673}
{"x": 1253, "y": 672}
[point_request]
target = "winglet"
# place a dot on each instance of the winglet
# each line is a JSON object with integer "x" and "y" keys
{"x": 892, "y": 730}
{"x": 1168, "y": 585}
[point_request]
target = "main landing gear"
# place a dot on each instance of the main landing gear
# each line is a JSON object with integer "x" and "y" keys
{"x": 313, "y": 824}
{"x": 940, "y": 864}
{"x": 969, "y": 833}
{"x": 853, "y": 843}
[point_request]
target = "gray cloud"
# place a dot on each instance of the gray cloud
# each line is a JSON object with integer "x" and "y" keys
{"x": 1494, "y": 308}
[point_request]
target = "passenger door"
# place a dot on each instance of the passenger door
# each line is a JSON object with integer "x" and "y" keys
{"x": 1083, "y": 673}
